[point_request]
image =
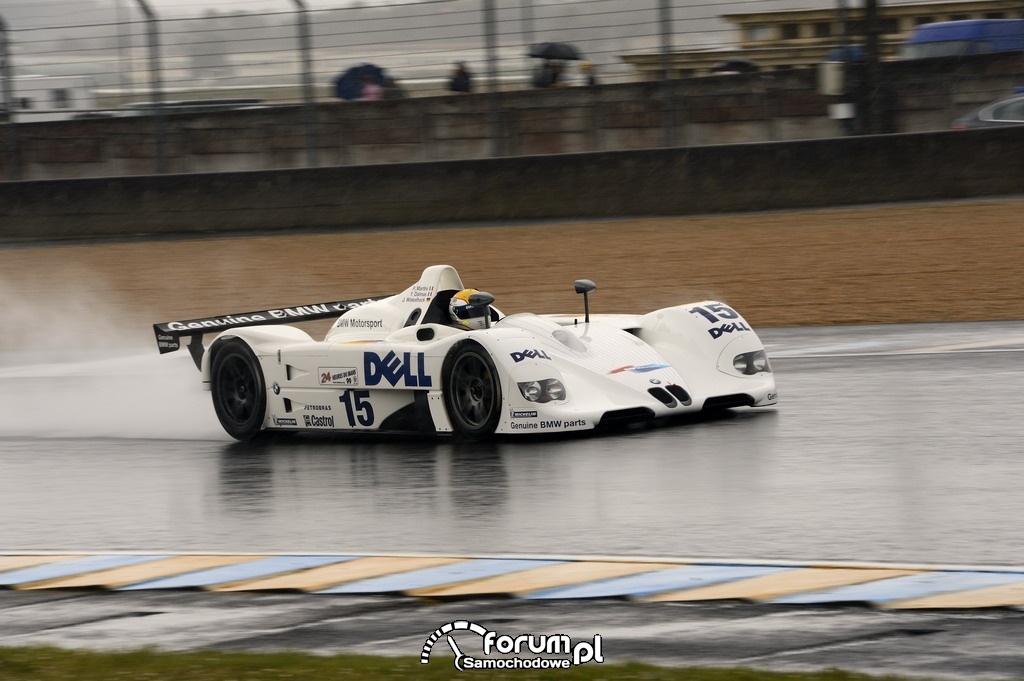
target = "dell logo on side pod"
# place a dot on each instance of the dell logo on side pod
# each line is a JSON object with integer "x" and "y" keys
{"x": 518, "y": 357}
{"x": 396, "y": 370}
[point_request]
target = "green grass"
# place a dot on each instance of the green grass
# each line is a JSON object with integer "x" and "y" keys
{"x": 53, "y": 664}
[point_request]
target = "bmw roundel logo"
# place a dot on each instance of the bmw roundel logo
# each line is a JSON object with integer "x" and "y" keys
{"x": 656, "y": 381}
{"x": 276, "y": 388}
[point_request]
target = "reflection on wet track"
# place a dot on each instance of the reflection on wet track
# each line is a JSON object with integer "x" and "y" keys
{"x": 896, "y": 443}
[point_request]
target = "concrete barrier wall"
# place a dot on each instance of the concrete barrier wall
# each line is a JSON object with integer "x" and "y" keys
{"x": 772, "y": 106}
{"x": 780, "y": 175}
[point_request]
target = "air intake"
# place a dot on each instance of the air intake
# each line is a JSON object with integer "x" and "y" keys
{"x": 625, "y": 417}
{"x": 680, "y": 394}
{"x": 662, "y": 395}
{"x": 728, "y": 401}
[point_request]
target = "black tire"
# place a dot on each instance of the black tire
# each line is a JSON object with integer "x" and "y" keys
{"x": 239, "y": 392}
{"x": 472, "y": 391}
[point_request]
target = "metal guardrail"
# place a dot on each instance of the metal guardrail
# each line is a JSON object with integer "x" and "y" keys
{"x": 132, "y": 60}
{"x": 10, "y": 129}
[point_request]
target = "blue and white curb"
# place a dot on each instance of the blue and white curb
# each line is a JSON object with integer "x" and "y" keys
{"x": 436, "y": 576}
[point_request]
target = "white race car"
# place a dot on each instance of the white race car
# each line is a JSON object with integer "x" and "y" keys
{"x": 413, "y": 362}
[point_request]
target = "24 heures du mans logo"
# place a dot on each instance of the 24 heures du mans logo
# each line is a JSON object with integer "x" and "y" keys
{"x": 525, "y": 651}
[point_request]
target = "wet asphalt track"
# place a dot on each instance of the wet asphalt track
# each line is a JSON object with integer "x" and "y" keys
{"x": 896, "y": 443}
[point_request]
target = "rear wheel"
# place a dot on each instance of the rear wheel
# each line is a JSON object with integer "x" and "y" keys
{"x": 239, "y": 392}
{"x": 472, "y": 391}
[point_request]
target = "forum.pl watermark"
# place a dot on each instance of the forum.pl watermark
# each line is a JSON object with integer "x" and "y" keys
{"x": 524, "y": 651}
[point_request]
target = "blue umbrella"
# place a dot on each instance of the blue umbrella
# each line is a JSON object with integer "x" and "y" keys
{"x": 349, "y": 85}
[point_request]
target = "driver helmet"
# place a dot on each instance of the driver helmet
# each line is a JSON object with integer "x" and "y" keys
{"x": 466, "y": 316}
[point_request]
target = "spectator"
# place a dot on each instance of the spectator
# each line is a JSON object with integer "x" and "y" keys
{"x": 462, "y": 80}
{"x": 549, "y": 75}
{"x": 371, "y": 91}
{"x": 587, "y": 73}
{"x": 392, "y": 90}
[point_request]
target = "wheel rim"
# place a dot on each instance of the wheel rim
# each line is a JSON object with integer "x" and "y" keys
{"x": 473, "y": 391}
{"x": 237, "y": 389}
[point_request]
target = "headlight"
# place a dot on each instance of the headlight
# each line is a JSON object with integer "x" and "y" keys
{"x": 750, "y": 363}
{"x": 554, "y": 389}
{"x": 548, "y": 390}
{"x": 531, "y": 391}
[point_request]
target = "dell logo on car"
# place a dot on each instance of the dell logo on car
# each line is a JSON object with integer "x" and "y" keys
{"x": 395, "y": 370}
{"x": 518, "y": 357}
{"x": 719, "y": 331}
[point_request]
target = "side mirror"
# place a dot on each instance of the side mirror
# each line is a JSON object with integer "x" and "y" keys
{"x": 585, "y": 286}
{"x": 482, "y": 299}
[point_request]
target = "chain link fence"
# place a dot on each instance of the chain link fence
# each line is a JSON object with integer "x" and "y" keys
{"x": 141, "y": 86}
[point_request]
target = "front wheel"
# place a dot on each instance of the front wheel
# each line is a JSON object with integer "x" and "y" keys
{"x": 239, "y": 392}
{"x": 472, "y": 391}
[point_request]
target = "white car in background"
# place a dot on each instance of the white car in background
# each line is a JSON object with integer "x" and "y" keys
{"x": 997, "y": 114}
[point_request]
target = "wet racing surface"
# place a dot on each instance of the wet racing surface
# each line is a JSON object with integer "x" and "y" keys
{"x": 895, "y": 443}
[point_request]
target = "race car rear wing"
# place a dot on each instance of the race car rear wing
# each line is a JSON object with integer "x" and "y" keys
{"x": 169, "y": 334}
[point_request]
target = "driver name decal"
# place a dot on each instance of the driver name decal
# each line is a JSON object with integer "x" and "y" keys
{"x": 418, "y": 294}
{"x": 396, "y": 370}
